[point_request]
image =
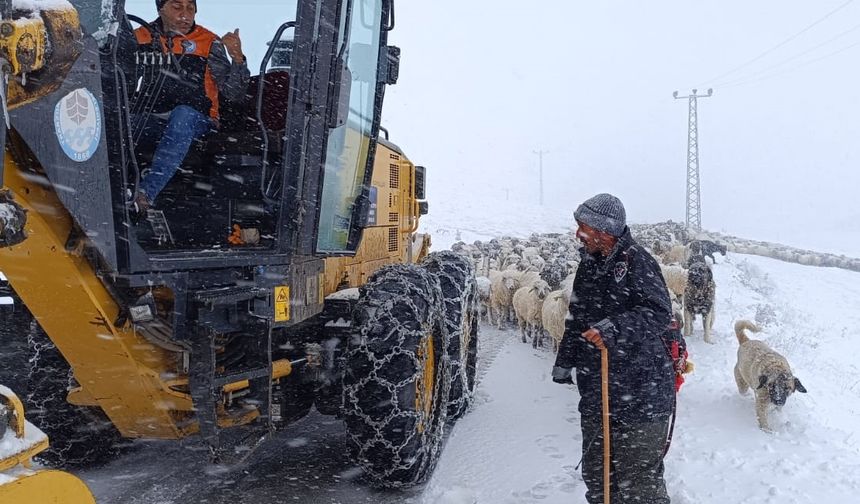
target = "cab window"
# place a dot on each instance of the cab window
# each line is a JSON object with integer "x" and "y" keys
{"x": 349, "y": 143}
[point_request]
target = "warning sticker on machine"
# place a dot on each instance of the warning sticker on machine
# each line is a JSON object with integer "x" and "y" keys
{"x": 282, "y": 303}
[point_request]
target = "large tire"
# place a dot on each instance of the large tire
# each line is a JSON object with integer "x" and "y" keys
{"x": 36, "y": 371}
{"x": 396, "y": 377}
{"x": 460, "y": 293}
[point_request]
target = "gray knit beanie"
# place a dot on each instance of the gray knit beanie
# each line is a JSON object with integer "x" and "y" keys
{"x": 603, "y": 212}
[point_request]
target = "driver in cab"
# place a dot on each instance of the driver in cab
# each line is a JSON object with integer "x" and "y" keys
{"x": 187, "y": 105}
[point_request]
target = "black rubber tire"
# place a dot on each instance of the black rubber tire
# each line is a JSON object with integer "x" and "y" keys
{"x": 396, "y": 440}
{"x": 460, "y": 293}
{"x": 36, "y": 371}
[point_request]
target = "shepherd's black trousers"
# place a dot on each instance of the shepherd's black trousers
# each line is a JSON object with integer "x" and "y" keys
{"x": 636, "y": 470}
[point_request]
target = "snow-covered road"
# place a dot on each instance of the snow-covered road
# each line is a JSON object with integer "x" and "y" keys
{"x": 521, "y": 441}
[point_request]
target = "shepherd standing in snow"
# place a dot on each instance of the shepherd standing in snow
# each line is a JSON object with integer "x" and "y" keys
{"x": 619, "y": 302}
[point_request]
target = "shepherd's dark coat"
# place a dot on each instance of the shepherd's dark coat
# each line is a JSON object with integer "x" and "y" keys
{"x": 624, "y": 296}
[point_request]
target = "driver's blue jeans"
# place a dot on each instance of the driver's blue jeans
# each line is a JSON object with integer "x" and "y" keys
{"x": 182, "y": 127}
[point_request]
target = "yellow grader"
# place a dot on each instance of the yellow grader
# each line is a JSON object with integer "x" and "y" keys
{"x": 285, "y": 274}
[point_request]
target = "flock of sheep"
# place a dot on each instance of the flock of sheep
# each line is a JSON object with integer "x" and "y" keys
{"x": 528, "y": 282}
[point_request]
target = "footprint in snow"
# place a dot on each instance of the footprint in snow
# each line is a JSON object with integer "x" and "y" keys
{"x": 548, "y": 444}
{"x": 547, "y": 488}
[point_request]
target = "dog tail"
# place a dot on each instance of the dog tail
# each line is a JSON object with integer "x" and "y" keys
{"x": 740, "y": 325}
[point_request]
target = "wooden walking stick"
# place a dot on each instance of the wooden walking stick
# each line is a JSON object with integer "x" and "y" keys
{"x": 604, "y": 392}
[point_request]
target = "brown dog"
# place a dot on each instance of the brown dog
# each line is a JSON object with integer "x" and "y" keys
{"x": 699, "y": 297}
{"x": 760, "y": 367}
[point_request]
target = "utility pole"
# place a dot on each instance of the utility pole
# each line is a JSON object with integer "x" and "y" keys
{"x": 540, "y": 154}
{"x": 694, "y": 202}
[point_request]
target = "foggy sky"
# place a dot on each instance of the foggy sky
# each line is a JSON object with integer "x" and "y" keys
{"x": 482, "y": 87}
{"x": 485, "y": 83}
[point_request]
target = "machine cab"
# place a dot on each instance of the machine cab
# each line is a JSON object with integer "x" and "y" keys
{"x": 285, "y": 168}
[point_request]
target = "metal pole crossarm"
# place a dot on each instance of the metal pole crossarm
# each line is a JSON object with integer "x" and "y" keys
{"x": 695, "y": 94}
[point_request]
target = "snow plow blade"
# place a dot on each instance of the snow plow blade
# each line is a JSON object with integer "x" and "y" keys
{"x": 20, "y": 441}
{"x": 46, "y": 486}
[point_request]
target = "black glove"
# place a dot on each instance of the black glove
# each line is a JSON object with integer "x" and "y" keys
{"x": 562, "y": 375}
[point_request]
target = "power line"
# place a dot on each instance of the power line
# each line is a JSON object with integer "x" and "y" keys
{"x": 777, "y": 46}
{"x": 742, "y": 82}
{"x": 796, "y": 56}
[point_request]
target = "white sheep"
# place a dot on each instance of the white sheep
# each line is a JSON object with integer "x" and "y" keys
{"x": 528, "y": 301}
{"x": 531, "y": 252}
{"x": 567, "y": 284}
{"x": 528, "y": 278}
{"x": 534, "y": 263}
{"x": 483, "y": 284}
{"x": 675, "y": 277}
{"x": 676, "y": 255}
{"x": 502, "y": 286}
{"x": 554, "y": 312}
{"x": 511, "y": 261}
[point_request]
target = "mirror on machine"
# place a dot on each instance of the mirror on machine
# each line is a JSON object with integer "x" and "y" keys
{"x": 207, "y": 143}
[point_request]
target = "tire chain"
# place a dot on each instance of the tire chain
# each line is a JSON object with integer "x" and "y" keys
{"x": 379, "y": 310}
{"x": 459, "y": 290}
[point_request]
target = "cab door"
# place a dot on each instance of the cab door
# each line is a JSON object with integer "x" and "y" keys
{"x": 355, "y": 102}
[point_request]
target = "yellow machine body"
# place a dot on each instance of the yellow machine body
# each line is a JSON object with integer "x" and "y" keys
{"x": 40, "y": 51}
{"x": 134, "y": 381}
{"x": 392, "y": 237}
{"x": 117, "y": 369}
{"x": 46, "y": 487}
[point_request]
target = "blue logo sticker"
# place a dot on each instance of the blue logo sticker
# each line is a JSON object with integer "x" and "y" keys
{"x": 78, "y": 124}
{"x": 189, "y": 46}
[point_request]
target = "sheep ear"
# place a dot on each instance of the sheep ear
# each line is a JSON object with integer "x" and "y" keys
{"x": 799, "y": 386}
{"x": 762, "y": 381}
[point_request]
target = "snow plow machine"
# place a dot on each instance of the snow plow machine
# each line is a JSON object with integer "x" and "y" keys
{"x": 279, "y": 271}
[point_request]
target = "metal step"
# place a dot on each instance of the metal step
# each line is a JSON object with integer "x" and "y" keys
{"x": 160, "y": 228}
